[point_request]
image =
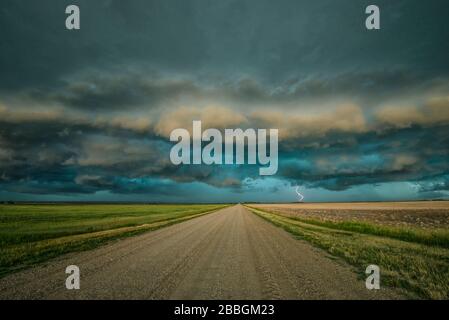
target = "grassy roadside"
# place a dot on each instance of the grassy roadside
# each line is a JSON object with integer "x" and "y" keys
{"x": 438, "y": 237}
{"x": 422, "y": 271}
{"x": 34, "y": 234}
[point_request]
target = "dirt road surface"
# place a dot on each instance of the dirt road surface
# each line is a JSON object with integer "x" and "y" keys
{"x": 229, "y": 254}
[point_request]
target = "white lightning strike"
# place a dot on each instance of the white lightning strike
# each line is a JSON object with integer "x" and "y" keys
{"x": 301, "y": 197}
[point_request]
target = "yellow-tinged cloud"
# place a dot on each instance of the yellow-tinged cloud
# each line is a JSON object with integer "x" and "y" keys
{"x": 347, "y": 118}
{"x": 211, "y": 117}
{"x": 56, "y": 114}
{"x": 434, "y": 111}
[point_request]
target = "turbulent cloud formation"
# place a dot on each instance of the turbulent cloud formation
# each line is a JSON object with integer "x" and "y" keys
{"x": 87, "y": 114}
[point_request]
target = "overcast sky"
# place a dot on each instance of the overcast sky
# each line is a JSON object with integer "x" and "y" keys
{"x": 86, "y": 115}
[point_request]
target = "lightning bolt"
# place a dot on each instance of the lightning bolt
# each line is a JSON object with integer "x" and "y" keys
{"x": 301, "y": 197}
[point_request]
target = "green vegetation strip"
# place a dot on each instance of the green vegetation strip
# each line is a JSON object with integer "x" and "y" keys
{"x": 30, "y": 234}
{"x": 435, "y": 237}
{"x": 421, "y": 271}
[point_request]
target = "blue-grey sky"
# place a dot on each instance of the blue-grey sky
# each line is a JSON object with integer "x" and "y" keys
{"x": 86, "y": 115}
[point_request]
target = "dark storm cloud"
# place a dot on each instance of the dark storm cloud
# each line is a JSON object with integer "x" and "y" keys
{"x": 411, "y": 154}
{"x": 440, "y": 183}
{"x": 276, "y": 40}
{"x": 89, "y": 111}
{"x": 37, "y": 50}
{"x": 119, "y": 91}
{"x": 134, "y": 91}
{"x": 44, "y": 156}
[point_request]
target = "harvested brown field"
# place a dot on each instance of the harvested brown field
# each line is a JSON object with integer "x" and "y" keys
{"x": 421, "y": 214}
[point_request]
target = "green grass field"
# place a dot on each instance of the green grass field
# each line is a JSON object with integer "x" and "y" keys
{"x": 30, "y": 234}
{"x": 413, "y": 260}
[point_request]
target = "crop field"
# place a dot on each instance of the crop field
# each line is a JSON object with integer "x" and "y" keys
{"x": 408, "y": 241}
{"x": 34, "y": 233}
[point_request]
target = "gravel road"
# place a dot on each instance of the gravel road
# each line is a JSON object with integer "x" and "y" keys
{"x": 229, "y": 254}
